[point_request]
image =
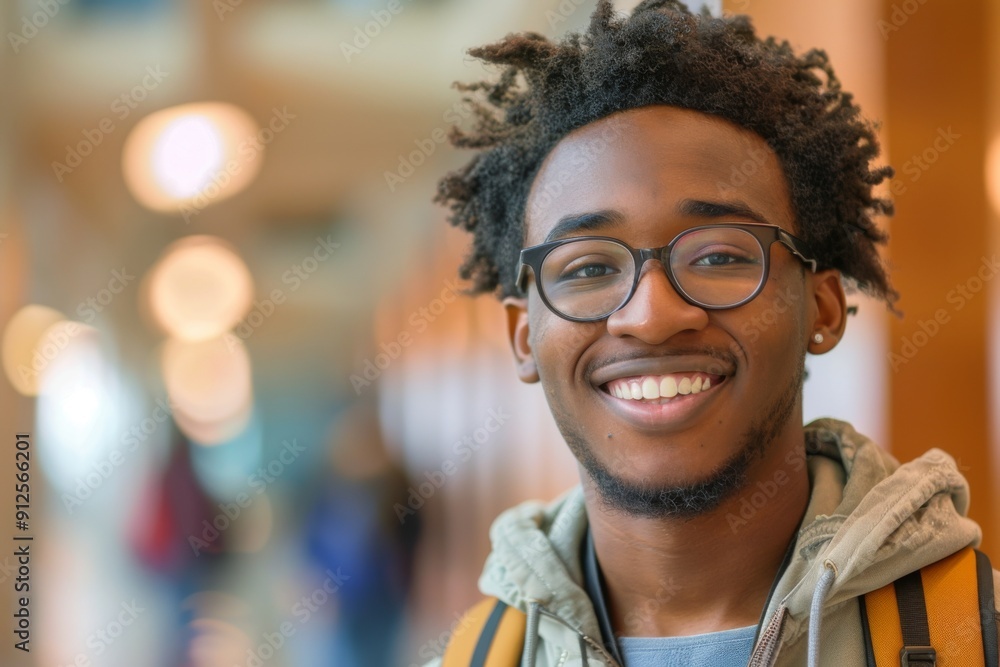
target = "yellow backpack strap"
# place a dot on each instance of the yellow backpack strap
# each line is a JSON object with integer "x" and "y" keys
{"x": 491, "y": 634}
{"x": 944, "y": 616}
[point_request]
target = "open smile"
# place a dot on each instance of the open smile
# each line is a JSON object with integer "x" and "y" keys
{"x": 662, "y": 402}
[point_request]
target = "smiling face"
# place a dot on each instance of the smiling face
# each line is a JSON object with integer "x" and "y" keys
{"x": 670, "y": 407}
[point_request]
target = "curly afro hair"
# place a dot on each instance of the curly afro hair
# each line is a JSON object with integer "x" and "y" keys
{"x": 664, "y": 54}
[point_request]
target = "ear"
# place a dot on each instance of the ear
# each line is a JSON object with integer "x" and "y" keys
{"x": 830, "y": 311}
{"x": 518, "y": 331}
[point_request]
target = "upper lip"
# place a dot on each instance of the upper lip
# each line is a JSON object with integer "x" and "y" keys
{"x": 660, "y": 366}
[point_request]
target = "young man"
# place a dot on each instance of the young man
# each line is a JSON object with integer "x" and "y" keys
{"x": 669, "y": 208}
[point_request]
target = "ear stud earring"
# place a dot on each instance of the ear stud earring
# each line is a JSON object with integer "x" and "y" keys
{"x": 817, "y": 337}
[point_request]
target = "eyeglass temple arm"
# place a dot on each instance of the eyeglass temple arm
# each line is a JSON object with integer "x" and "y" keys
{"x": 522, "y": 276}
{"x": 797, "y": 248}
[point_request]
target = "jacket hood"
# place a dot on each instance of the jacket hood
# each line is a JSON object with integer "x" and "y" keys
{"x": 869, "y": 521}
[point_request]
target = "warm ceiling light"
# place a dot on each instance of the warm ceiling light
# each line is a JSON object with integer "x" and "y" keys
{"x": 186, "y": 158}
{"x": 209, "y": 384}
{"x": 200, "y": 288}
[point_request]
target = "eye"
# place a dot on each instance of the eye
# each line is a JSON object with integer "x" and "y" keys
{"x": 720, "y": 257}
{"x": 593, "y": 266}
{"x": 592, "y": 270}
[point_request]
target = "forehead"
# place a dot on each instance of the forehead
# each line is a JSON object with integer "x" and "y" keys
{"x": 644, "y": 163}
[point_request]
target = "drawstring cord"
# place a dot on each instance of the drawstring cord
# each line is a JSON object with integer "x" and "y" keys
{"x": 535, "y": 613}
{"x": 822, "y": 589}
{"x": 531, "y": 634}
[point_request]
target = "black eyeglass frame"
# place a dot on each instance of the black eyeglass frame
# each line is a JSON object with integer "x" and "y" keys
{"x": 765, "y": 234}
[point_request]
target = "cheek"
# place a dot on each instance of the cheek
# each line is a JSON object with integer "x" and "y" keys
{"x": 769, "y": 332}
{"x": 777, "y": 313}
{"x": 558, "y": 346}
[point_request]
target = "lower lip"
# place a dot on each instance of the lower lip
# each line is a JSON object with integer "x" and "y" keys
{"x": 671, "y": 416}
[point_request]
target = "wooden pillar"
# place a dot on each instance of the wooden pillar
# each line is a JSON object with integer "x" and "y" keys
{"x": 940, "y": 246}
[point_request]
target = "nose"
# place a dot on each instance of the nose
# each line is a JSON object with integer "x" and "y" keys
{"x": 656, "y": 311}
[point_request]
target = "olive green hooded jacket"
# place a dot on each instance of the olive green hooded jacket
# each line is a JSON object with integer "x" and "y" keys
{"x": 869, "y": 521}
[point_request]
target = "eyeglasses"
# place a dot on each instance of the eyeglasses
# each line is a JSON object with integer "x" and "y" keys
{"x": 587, "y": 278}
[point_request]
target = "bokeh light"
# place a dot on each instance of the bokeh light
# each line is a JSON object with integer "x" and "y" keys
{"x": 210, "y": 386}
{"x": 80, "y": 403}
{"x": 217, "y": 642}
{"x": 29, "y": 344}
{"x": 199, "y": 289}
{"x": 189, "y": 157}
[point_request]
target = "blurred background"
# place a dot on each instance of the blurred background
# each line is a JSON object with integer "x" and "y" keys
{"x": 265, "y": 428}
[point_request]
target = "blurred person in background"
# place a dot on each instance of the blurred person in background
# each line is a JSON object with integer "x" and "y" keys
{"x": 711, "y": 527}
{"x": 352, "y": 529}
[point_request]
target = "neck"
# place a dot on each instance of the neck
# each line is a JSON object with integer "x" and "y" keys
{"x": 685, "y": 576}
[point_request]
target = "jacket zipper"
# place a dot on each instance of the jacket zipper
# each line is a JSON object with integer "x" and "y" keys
{"x": 589, "y": 640}
{"x": 765, "y": 651}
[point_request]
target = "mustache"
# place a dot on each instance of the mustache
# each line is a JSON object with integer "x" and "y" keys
{"x": 725, "y": 356}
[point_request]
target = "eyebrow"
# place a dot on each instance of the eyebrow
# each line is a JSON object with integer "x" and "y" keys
{"x": 595, "y": 221}
{"x": 585, "y": 222}
{"x": 715, "y": 209}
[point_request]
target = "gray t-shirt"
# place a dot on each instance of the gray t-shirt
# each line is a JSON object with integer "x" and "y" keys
{"x": 729, "y": 648}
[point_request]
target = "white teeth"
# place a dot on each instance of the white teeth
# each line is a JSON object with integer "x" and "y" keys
{"x": 647, "y": 388}
{"x": 650, "y": 389}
